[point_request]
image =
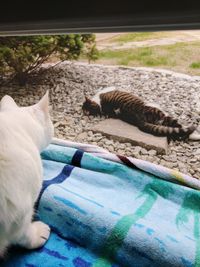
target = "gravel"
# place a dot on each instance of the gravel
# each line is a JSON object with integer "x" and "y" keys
{"x": 177, "y": 94}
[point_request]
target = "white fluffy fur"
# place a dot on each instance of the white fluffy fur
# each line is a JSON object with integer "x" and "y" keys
{"x": 96, "y": 97}
{"x": 195, "y": 136}
{"x": 24, "y": 133}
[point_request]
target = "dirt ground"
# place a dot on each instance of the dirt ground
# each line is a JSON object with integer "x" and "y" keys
{"x": 173, "y": 50}
{"x": 107, "y": 40}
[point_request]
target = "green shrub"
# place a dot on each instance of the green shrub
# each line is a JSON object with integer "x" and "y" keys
{"x": 20, "y": 56}
{"x": 92, "y": 53}
{"x": 195, "y": 65}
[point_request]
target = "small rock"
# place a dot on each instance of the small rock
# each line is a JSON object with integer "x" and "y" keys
{"x": 90, "y": 133}
{"x": 193, "y": 160}
{"x": 197, "y": 152}
{"x": 109, "y": 142}
{"x": 144, "y": 151}
{"x": 82, "y": 136}
{"x": 120, "y": 152}
{"x": 137, "y": 148}
{"x": 128, "y": 144}
{"x": 152, "y": 152}
{"x": 122, "y": 146}
{"x": 170, "y": 158}
{"x": 57, "y": 124}
{"x": 110, "y": 148}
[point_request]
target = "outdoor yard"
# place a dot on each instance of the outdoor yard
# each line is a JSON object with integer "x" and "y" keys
{"x": 177, "y": 94}
{"x": 178, "y": 51}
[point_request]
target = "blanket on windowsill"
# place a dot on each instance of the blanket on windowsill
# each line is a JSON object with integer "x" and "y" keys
{"x": 106, "y": 210}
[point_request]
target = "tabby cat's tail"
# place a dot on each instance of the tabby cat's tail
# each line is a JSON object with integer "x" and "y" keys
{"x": 177, "y": 133}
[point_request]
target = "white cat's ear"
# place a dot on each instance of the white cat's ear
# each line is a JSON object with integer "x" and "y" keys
{"x": 7, "y": 102}
{"x": 43, "y": 104}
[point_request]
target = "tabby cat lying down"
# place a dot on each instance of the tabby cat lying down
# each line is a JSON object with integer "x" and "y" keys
{"x": 130, "y": 108}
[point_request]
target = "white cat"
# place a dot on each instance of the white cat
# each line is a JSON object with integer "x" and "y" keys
{"x": 24, "y": 133}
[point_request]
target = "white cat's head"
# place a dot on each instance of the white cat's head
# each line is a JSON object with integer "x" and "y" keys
{"x": 34, "y": 119}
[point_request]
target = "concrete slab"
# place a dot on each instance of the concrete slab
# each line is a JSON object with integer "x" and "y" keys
{"x": 124, "y": 132}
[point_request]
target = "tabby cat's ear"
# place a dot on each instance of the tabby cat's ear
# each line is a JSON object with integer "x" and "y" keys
{"x": 43, "y": 104}
{"x": 7, "y": 102}
{"x": 87, "y": 99}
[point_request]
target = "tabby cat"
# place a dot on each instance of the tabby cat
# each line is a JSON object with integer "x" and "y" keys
{"x": 132, "y": 109}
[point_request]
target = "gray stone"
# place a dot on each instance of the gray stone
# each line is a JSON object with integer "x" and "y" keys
{"x": 152, "y": 152}
{"x": 197, "y": 158}
{"x": 163, "y": 162}
{"x": 125, "y": 132}
{"x": 122, "y": 146}
{"x": 151, "y": 159}
{"x": 68, "y": 82}
{"x": 98, "y": 135}
{"x": 56, "y": 124}
{"x": 192, "y": 172}
{"x": 120, "y": 151}
{"x": 169, "y": 165}
{"x": 111, "y": 148}
{"x": 90, "y": 133}
{"x": 144, "y": 151}
{"x": 193, "y": 160}
{"x": 197, "y": 152}
{"x": 181, "y": 165}
{"x": 82, "y": 136}
{"x": 137, "y": 149}
{"x": 128, "y": 145}
{"x": 170, "y": 158}
{"x": 107, "y": 142}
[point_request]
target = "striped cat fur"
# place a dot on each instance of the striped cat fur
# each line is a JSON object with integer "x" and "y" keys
{"x": 132, "y": 109}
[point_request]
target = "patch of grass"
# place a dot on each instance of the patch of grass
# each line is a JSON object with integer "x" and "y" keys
{"x": 140, "y": 56}
{"x": 144, "y": 52}
{"x": 130, "y": 54}
{"x": 195, "y": 65}
{"x": 138, "y": 36}
{"x": 159, "y": 61}
{"x": 182, "y": 57}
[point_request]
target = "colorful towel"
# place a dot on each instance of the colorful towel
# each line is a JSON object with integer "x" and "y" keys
{"x": 104, "y": 213}
{"x": 158, "y": 170}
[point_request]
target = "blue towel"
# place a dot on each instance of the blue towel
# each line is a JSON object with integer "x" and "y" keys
{"x": 105, "y": 214}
